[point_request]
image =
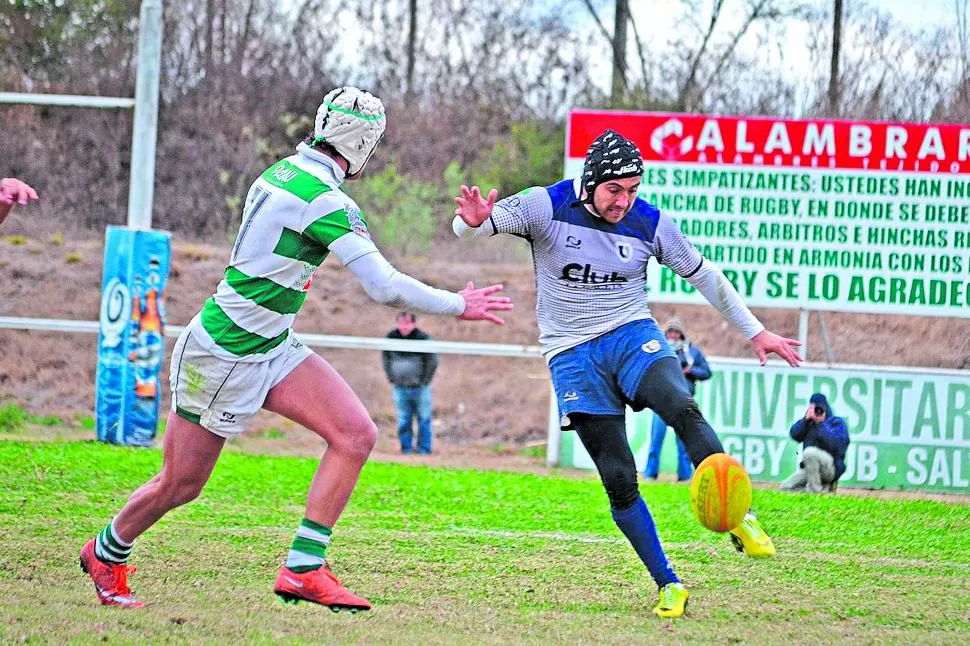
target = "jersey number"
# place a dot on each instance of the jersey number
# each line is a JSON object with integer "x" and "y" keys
{"x": 254, "y": 202}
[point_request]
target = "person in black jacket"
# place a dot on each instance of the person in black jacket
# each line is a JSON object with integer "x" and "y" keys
{"x": 825, "y": 441}
{"x": 410, "y": 374}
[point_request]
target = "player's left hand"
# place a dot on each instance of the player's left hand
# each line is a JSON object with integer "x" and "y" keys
{"x": 766, "y": 342}
{"x": 13, "y": 191}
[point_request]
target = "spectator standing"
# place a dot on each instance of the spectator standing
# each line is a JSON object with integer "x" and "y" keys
{"x": 410, "y": 374}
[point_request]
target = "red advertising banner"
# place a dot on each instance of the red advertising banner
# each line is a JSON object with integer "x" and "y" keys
{"x": 789, "y": 143}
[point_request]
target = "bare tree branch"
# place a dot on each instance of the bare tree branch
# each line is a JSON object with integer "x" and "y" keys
{"x": 689, "y": 83}
{"x": 641, "y": 54}
{"x": 596, "y": 19}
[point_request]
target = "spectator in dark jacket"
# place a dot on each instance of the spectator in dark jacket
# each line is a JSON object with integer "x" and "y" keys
{"x": 694, "y": 366}
{"x": 410, "y": 374}
{"x": 825, "y": 441}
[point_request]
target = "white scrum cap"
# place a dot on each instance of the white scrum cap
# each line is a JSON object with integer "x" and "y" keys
{"x": 352, "y": 122}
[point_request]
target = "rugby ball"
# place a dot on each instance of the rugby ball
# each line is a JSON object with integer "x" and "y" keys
{"x": 720, "y": 492}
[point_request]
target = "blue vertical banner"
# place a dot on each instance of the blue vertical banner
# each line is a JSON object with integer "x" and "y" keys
{"x": 131, "y": 343}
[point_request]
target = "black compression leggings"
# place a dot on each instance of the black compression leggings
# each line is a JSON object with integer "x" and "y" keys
{"x": 664, "y": 389}
{"x": 604, "y": 437}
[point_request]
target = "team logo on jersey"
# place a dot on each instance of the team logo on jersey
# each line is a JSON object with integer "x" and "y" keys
{"x": 624, "y": 251}
{"x": 356, "y": 221}
{"x": 651, "y": 346}
{"x": 572, "y": 242}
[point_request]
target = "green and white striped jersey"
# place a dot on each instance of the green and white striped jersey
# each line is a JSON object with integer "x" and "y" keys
{"x": 294, "y": 213}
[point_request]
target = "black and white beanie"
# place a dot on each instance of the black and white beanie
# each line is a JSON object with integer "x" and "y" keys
{"x": 610, "y": 156}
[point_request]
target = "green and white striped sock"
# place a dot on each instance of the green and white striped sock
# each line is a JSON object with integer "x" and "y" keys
{"x": 309, "y": 547}
{"x": 109, "y": 547}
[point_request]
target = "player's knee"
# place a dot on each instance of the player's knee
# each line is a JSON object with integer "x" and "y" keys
{"x": 358, "y": 439}
{"x": 180, "y": 491}
{"x": 678, "y": 408}
{"x": 621, "y": 486}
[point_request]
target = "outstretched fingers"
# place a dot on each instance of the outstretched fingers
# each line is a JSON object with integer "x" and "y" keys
{"x": 767, "y": 342}
{"x": 481, "y": 302}
{"x": 488, "y": 291}
{"x": 788, "y": 351}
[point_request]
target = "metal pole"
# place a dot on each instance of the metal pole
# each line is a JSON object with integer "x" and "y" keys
{"x": 803, "y": 332}
{"x": 145, "y": 131}
{"x": 825, "y": 337}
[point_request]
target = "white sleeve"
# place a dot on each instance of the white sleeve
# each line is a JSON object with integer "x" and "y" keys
{"x": 673, "y": 249}
{"x": 462, "y": 230}
{"x": 719, "y": 292}
{"x": 387, "y": 285}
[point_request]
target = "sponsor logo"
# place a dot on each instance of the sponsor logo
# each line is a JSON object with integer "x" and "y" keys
{"x": 585, "y": 274}
{"x": 356, "y": 222}
{"x": 668, "y": 140}
{"x": 624, "y": 251}
{"x": 570, "y": 396}
{"x": 306, "y": 277}
{"x": 651, "y": 346}
{"x": 293, "y": 581}
{"x": 115, "y": 310}
{"x": 283, "y": 174}
{"x": 228, "y": 418}
{"x": 573, "y": 242}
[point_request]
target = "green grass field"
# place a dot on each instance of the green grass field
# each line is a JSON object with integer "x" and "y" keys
{"x": 451, "y": 556}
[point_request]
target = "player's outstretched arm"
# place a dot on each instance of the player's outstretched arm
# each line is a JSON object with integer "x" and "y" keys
{"x": 481, "y": 302}
{"x": 13, "y": 191}
{"x": 767, "y": 342}
{"x": 388, "y": 286}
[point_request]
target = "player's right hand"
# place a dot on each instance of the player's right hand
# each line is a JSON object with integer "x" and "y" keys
{"x": 473, "y": 209}
{"x": 480, "y": 303}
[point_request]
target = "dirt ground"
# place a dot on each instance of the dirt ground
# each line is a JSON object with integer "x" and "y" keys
{"x": 492, "y": 404}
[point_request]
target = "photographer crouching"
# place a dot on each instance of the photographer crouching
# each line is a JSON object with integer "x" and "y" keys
{"x": 825, "y": 441}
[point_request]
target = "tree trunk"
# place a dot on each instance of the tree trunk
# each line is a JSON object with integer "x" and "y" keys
{"x": 619, "y": 52}
{"x": 412, "y": 37}
{"x": 834, "y": 69}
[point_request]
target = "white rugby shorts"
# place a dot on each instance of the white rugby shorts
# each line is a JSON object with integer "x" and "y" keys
{"x": 220, "y": 395}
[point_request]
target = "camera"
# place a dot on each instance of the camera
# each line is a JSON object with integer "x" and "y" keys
{"x": 819, "y": 411}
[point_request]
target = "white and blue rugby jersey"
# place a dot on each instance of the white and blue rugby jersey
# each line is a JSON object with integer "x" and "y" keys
{"x": 591, "y": 276}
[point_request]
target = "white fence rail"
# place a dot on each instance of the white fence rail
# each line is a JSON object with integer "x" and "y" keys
{"x": 318, "y": 340}
{"x": 67, "y": 100}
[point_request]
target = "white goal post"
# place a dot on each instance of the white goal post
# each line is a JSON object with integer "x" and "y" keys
{"x": 145, "y": 104}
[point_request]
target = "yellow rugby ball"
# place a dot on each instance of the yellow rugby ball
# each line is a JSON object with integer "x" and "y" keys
{"x": 720, "y": 492}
